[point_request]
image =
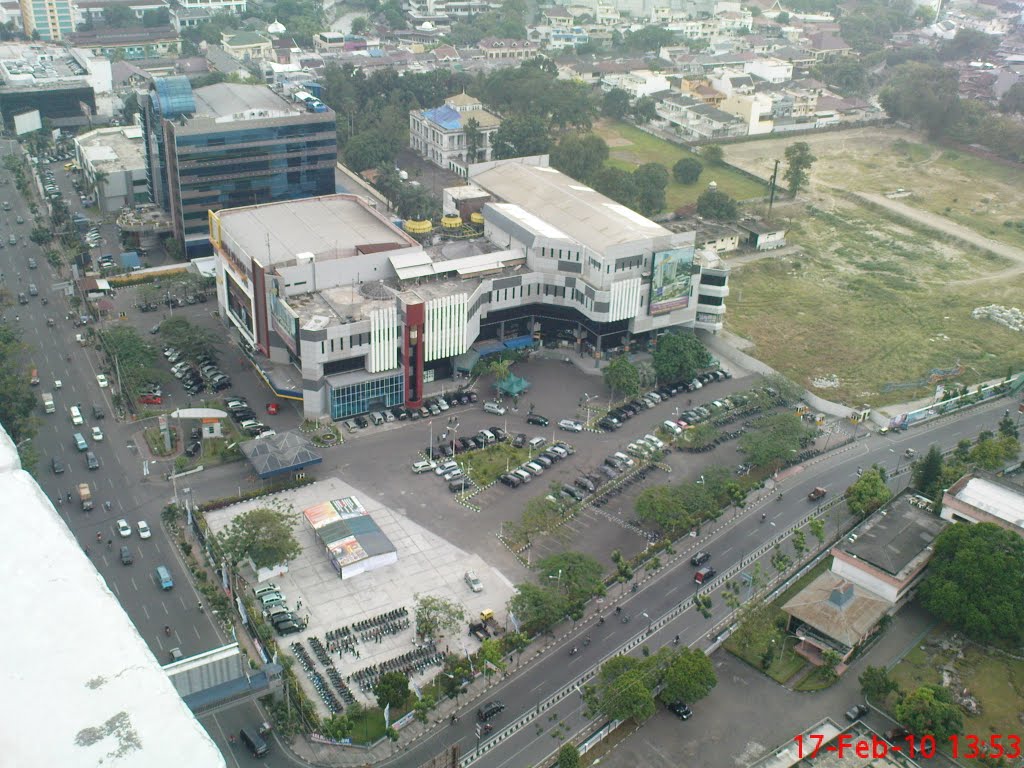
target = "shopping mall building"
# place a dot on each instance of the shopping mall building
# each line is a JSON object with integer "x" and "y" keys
{"x": 364, "y": 316}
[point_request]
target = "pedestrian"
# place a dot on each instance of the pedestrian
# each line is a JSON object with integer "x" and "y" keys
{"x": 298, "y": 605}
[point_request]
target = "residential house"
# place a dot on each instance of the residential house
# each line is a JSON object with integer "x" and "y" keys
{"x": 439, "y": 134}
{"x": 446, "y": 54}
{"x": 247, "y": 46}
{"x": 557, "y": 17}
{"x": 642, "y": 82}
{"x": 497, "y": 48}
{"x": 826, "y": 45}
{"x": 798, "y": 57}
{"x": 734, "y": 22}
{"x": 695, "y": 121}
{"x": 770, "y": 69}
{"x": 328, "y": 41}
{"x": 702, "y": 91}
{"x": 731, "y": 81}
{"x": 754, "y": 109}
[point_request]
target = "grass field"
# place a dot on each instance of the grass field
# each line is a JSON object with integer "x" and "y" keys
{"x": 874, "y": 302}
{"x": 976, "y": 192}
{"x": 996, "y": 682}
{"x": 487, "y": 465}
{"x": 630, "y": 147}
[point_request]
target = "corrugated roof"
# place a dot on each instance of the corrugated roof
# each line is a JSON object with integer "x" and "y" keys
{"x": 848, "y": 623}
{"x": 444, "y": 116}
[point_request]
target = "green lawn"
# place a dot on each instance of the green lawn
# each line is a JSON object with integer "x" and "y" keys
{"x": 487, "y": 465}
{"x": 997, "y": 682}
{"x": 873, "y": 307}
{"x": 630, "y": 147}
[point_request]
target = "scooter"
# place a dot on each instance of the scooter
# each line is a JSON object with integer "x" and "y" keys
{"x": 573, "y": 651}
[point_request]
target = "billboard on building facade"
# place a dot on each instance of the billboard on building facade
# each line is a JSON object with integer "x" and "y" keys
{"x": 284, "y": 319}
{"x": 671, "y": 280}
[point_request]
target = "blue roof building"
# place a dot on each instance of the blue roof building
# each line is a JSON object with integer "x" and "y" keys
{"x": 440, "y": 133}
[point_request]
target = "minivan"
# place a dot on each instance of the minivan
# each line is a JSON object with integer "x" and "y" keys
{"x": 253, "y": 742}
{"x": 91, "y": 461}
{"x": 497, "y": 410}
{"x": 533, "y": 469}
{"x": 163, "y": 578}
{"x": 265, "y": 589}
{"x": 80, "y": 443}
{"x": 522, "y": 474}
{"x": 487, "y": 435}
{"x": 537, "y": 442}
{"x": 705, "y": 574}
{"x": 377, "y": 418}
{"x": 76, "y": 415}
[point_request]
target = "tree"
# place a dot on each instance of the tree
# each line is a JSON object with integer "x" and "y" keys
{"x": 521, "y": 136}
{"x": 1013, "y": 100}
{"x": 621, "y": 690}
{"x": 969, "y": 45}
{"x": 645, "y": 110}
{"x": 650, "y": 179}
{"x": 191, "y": 340}
{"x": 119, "y": 16}
{"x": 617, "y": 184}
{"x": 537, "y": 608}
{"x": 713, "y": 154}
{"x": 622, "y": 377}
{"x": 456, "y": 673}
{"x": 580, "y": 156}
{"x": 799, "y": 540}
{"x": 577, "y": 576}
{"x": 929, "y": 711}
{"x": 615, "y": 104}
{"x": 846, "y": 74}
{"x": 689, "y": 677}
{"x": 262, "y": 535}
{"x": 474, "y": 138}
{"x": 756, "y": 626}
{"x": 924, "y": 95}
{"x": 829, "y": 661}
{"x": 974, "y": 581}
{"x": 1007, "y": 427}
{"x": 775, "y": 440}
{"x": 649, "y": 39}
{"x": 568, "y": 756}
{"x": 18, "y": 400}
{"x": 714, "y": 204}
{"x": 876, "y": 684}
{"x": 798, "y": 162}
{"x": 927, "y": 473}
{"x": 435, "y": 614}
{"x": 991, "y": 452}
{"x": 360, "y": 25}
{"x": 687, "y": 170}
{"x": 868, "y": 493}
{"x": 391, "y": 688}
{"x": 817, "y": 528}
{"x": 678, "y": 357}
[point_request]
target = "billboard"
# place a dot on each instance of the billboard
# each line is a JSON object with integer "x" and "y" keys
{"x": 27, "y": 122}
{"x": 671, "y": 280}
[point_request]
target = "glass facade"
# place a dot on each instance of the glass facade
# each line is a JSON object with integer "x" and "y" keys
{"x": 366, "y": 396}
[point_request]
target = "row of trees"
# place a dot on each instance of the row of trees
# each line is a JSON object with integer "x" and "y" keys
{"x": 626, "y": 686}
{"x": 565, "y": 582}
{"x": 679, "y": 508}
{"x": 678, "y": 357}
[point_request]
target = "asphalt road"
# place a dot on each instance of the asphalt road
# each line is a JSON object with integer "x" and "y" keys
{"x": 56, "y": 355}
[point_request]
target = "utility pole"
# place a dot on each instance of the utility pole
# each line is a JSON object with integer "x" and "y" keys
{"x": 771, "y": 187}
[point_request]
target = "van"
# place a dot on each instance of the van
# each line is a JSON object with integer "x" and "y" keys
{"x": 523, "y": 475}
{"x": 76, "y": 416}
{"x": 494, "y": 408}
{"x": 533, "y": 468}
{"x": 377, "y": 418}
{"x": 537, "y": 442}
{"x": 264, "y": 589}
{"x": 654, "y": 441}
{"x": 559, "y": 451}
{"x": 253, "y": 742}
{"x": 80, "y": 443}
{"x": 672, "y": 427}
{"x": 704, "y": 575}
{"x": 163, "y": 578}
{"x": 271, "y": 598}
{"x": 487, "y": 435}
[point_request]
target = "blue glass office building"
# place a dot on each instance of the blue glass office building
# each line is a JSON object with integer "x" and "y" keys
{"x": 228, "y": 146}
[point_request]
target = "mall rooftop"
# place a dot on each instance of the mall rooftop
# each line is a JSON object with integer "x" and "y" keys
{"x": 38, "y": 64}
{"x": 330, "y": 227}
{"x": 550, "y": 204}
{"x": 113, "y": 149}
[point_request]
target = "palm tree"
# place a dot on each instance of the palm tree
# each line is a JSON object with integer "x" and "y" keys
{"x": 473, "y": 140}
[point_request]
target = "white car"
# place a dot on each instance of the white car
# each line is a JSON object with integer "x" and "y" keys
{"x": 102, "y": 381}
{"x": 570, "y": 426}
{"x": 473, "y": 582}
{"x": 58, "y": 384}
{"x": 144, "y": 532}
{"x": 97, "y": 434}
{"x": 124, "y": 529}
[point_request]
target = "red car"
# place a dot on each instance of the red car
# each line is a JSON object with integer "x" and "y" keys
{"x": 151, "y": 400}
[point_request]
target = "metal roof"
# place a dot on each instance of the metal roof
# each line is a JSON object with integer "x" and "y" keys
{"x": 998, "y": 500}
{"x": 277, "y": 454}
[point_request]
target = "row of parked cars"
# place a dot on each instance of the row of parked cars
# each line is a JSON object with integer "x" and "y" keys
{"x": 433, "y": 406}
{"x": 198, "y": 375}
{"x": 272, "y": 601}
{"x": 618, "y": 416}
{"x": 246, "y": 419}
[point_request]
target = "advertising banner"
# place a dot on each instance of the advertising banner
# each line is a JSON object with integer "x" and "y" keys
{"x": 671, "y": 280}
{"x": 285, "y": 321}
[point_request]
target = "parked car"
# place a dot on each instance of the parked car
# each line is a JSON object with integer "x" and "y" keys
{"x": 473, "y": 582}
{"x": 680, "y": 710}
{"x": 569, "y": 425}
{"x": 537, "y": 420}
{"x": 856, "y": 712}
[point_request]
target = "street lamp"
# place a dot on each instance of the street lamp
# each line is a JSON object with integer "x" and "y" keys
{"x": 650, "y": 621}
{"x": 558, "y": 578}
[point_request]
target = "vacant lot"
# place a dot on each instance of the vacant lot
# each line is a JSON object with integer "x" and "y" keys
{"x": 975, "y": 192}
{"x": 996, "y": 682}
{"x": 873, "y": 306}
{"x": 630, "y": 147}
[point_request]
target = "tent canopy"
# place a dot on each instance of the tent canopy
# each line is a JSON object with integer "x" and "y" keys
{"x": 279, "y": 454}
{"x": 513, "y": 385}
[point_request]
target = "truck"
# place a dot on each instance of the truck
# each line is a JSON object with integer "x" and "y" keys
{"x": 85, "y": 494}
{"x": 48, "y": 405}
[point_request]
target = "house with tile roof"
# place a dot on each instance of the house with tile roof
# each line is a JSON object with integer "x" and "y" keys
{"x": 247, "y": 46}
{"x": 440, "y": 134}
